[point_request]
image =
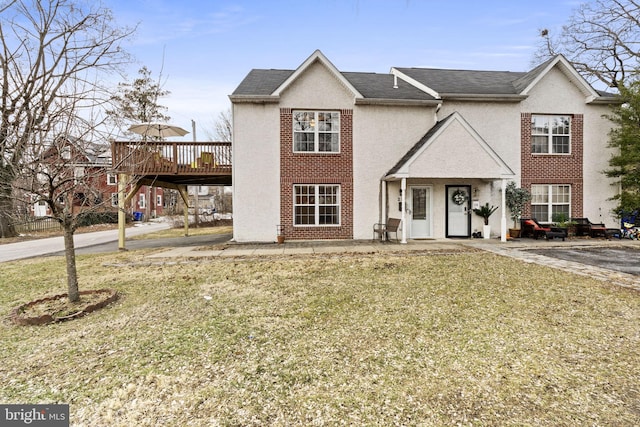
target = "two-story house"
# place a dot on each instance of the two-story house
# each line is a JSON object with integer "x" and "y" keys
{"x": 325, "y": 154}
{"x": 87, "y": 168}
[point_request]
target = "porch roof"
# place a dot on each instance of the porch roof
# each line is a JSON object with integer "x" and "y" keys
{"x": 451, "y": 149}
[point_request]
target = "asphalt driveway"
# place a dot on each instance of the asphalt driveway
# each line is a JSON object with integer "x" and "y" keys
{"x": 623, "y": 259}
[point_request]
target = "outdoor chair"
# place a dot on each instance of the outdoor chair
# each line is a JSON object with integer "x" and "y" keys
{"x": 584, "y": 227}
{"x": 383, "y": 229}
{"x": 531, "y": 227}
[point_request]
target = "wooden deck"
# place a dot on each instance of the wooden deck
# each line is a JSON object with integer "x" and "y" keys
{"x": 178, "y": 163}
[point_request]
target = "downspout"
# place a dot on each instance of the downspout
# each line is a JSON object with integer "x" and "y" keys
{"x": 503, "y": 219}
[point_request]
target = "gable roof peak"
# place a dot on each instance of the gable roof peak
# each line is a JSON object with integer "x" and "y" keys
{"x": 527, "y": 82}
{"x": 316, "y": 56}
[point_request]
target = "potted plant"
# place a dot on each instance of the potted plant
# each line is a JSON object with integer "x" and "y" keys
{"x": 563, "y": 222}
{"x": 516, "y": 199}
{"x": 485, "y": 212}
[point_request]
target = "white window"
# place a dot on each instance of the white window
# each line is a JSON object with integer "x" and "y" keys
{"x": 112, "y": 179}
{"x": 114, "y": 199}
{"x": 78, "y": 173}
{"x": 143, "y": 201}
{"x": 316, "y": 132}
{"x": 551, "y": 134}
{"x": 316, "y": 204}
{"x": 550, "y": 200}
{"x": 158, "y": 200}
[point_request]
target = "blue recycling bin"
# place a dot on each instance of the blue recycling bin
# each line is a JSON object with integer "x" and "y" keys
{"x": 137, "y": 216}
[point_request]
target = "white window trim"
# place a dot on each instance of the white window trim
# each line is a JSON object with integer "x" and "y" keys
{"x": 142, "y": 201}
{"x": 550, "y": 135}
{"x": 317, "y": 205}
{"x": 550, "y": 203}
{"x": 158, "y": 200}
{"x": 316, "y": 140}
{"x": 112, "y": 179}
{"x": 114, "y": 199}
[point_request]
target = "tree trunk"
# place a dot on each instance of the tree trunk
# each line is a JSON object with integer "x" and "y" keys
{"x": 7, "y": 229}
{"x": 70, "y": 255}
{"x": 6, "y": 204}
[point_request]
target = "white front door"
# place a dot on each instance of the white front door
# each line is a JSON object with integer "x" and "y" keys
{"x": 458, "y": 204}
{"x": 420, "y": 208}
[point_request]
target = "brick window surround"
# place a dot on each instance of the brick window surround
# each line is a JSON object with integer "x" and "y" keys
{"x": 316, "y": 168}
{"x": 554, "y": 168}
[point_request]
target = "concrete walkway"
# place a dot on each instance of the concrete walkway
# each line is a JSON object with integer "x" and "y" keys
{"x": 208, "y": 246}
{"x": 523, "y": 250}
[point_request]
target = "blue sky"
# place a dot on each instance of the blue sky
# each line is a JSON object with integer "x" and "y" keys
{"x": 205, "y": 48}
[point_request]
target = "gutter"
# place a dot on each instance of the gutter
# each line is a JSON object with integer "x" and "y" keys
{"x": 483, "y": 97}
{"x": 398, "y": 102}
{"x": 254, "y": 99}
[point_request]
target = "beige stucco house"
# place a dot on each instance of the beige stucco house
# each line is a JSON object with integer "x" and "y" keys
{"x": 325, "y": 154}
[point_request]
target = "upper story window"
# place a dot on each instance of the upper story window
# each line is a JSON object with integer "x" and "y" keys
{"x": 316, "y": 132}
{"x": 551, "y": 134}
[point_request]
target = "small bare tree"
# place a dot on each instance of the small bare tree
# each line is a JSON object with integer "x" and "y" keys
{"x": 53, "y": 56}
{"x": 601, "y": 39}
{"x": 223, "y": 127}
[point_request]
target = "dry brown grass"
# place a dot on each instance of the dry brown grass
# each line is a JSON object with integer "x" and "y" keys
{"x": 455, "y": 339}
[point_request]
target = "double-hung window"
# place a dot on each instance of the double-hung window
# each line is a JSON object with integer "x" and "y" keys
{"x": 551, "y": 134}
{"x": 316, "y": 131}
{"x": 316, "y": 204}
{"x": 550, "y": 200}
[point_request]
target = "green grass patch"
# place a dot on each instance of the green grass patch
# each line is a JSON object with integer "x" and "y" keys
{"x": 439, "y": 339}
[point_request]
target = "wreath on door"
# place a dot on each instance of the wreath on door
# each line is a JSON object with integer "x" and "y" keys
{"x": 459, "y": 197}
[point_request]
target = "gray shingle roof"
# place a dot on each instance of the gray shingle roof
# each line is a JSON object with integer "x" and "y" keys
{"x": 370, "y": 85}
{"x": 380, "y": 86}
{"x": 465, "y": 81}
{"x": 262, "y": 82}
{"x": 447, "y": 82}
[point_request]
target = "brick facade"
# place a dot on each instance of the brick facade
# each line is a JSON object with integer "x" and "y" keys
{"x": 316, "y": 168}
{"x": 554, "y": 168}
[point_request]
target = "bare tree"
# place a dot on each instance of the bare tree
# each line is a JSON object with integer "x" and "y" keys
{"x": 601, "y": 39}
{"x": 53, "y": 56}
{"x": 223, "y": 127}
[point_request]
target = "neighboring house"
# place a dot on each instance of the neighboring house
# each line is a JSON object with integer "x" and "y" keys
{"x": 326, "y": 154}
{"x": 97, "y": 186}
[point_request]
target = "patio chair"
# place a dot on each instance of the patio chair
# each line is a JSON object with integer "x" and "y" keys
{"x": 531, "y": 227}
{"x": 383, "y": 229}
{"x": 584, "y": 227}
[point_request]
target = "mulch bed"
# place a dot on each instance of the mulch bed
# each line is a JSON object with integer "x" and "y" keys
{"x": 57, "y": 308}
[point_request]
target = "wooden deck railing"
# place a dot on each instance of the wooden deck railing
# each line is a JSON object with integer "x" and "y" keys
{"x": 171, "y": 158}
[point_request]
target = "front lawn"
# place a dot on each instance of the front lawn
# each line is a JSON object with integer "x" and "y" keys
{"x": 412, "y": 339}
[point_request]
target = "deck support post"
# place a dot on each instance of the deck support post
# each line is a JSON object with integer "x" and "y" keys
{"x": 183, "y": 189}
{"x": 122, "y": 215}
